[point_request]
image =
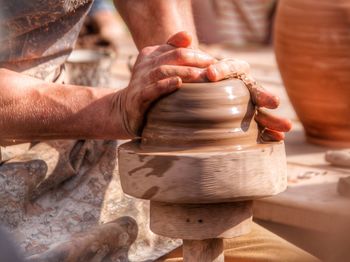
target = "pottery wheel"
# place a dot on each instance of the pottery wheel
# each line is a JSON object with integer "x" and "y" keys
{"x": 200, "y": 162}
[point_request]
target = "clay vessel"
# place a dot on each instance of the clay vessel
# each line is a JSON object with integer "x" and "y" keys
{"x": 312, "y": 45}
{"x": 203, "y": 115}
{"x": 200, "y": 145}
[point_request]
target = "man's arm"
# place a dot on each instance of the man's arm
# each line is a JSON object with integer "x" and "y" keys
{"x": 33, "y": 109}
{"x": 152, "y": 22}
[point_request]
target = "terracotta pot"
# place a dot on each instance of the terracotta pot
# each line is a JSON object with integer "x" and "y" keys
{"x": 312, "y": 45}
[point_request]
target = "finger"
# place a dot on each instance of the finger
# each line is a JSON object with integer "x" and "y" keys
{"x": 260, "y": 96}
{"x": 263, "y": 98}
{"x": 180, "y": 39}
{"x": 273, "y": 122}
{"x": 186, "y": 73}
{"x": 152, "y": 51}
{"x": 269, "y": 135}
{"x": 227, "y": 68}
{"x": 157, "y": 49}
{"x": 185, "y": 57}
{"x": 160, "y": 88}
{"x": 163, "y": 49}
{"x": 148, "y": 50}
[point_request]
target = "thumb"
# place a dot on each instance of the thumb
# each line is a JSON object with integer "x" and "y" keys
{"x": 180, "y": 39}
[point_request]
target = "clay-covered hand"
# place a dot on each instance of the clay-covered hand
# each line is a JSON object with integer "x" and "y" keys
{"x": 159, "y": 70}
{"x": 272, "y": 127}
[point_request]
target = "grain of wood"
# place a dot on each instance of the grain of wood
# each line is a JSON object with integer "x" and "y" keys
{"x": 203, "y": 177}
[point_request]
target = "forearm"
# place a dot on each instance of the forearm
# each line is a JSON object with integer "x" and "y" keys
{"x": 153, "y": 22}
{"x": 31, "y": 109}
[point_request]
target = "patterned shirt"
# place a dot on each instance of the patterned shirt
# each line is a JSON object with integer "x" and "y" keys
{"x": 37, "y": 36}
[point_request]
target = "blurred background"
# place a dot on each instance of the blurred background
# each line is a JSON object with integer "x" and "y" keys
{"x": 299, "y": 50}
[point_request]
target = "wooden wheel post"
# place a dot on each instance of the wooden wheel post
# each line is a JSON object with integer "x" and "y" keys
{"x": 208, "y": 250}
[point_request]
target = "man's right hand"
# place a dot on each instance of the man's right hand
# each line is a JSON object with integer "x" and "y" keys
{"x": 159, "y": 70}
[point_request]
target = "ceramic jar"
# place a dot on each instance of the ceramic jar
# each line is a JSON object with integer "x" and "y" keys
{"x": 203, "y": 115}
{"x": 312, "y": 46}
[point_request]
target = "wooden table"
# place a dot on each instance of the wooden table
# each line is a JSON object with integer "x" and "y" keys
{"x": 311, "y": 200}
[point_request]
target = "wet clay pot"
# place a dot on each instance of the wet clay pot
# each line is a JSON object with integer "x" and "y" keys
{"x": 201, "y": 115}
{"x": 312, "y": 45}
{"x": 200, "y": 145}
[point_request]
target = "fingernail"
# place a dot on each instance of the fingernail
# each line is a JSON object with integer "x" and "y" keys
{"x": 273, "y": 101}
{"x": 277, "y": 100}
{"x": 212, "y": 73}
{"x": 289, "y": 125}
{"x": 268, "y": 137}
{"x": 176, "y": 81}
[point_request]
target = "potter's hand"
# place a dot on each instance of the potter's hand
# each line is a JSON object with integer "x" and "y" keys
{"x": 271, "y": 127}
{"x": 159, "y": 70}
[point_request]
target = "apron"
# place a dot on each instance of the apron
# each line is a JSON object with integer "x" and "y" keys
{"x": 62, "y": 199}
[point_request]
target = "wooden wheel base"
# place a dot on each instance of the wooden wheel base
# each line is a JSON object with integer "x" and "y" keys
{"x": 201, "y": 226}
{"x": 201, "y": 221}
